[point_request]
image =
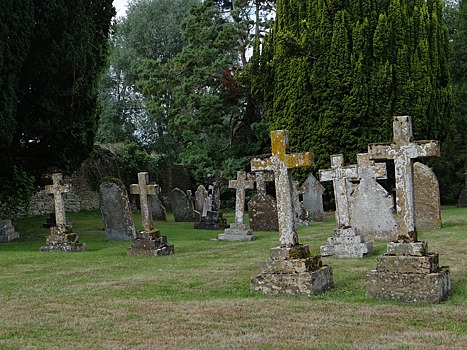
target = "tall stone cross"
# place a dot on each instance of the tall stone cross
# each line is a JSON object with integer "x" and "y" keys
{"x": 145, "y": 190}
{"x": 339, "y": 175}
{"x": 57, "y": 189}
{"x": 240, "y": 185}
{"x": 280, "y": 163}
{"x": 403, "y": 150}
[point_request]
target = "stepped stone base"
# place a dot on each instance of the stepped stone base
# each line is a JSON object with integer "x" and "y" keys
{"x": 7, "y": 231}
{"x": 237, "y": 232}
{"x": 346, "y": 243}
{"x": 292, "y": 271}
{"x": 150, "y": 244}
{"x": 63, "y": 239}
{"x": 412, "y": 277}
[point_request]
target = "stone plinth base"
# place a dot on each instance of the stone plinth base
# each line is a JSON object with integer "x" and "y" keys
{"x": 63, "y": 239}
{"x": 7, "y": 231}
{"x": 150, "y": 244}
{"x": 212, "y": 221}
{"x": 409, "y": 287}
{"x": 346, "y": 243}
{"x": 292, "y": 271}
{"x": 408, "y": 273}
{"x": 235, "y": 233}
{"x": 284, "y": 284}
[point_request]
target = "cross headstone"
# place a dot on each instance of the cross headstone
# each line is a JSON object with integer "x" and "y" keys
{"x": 403, "y": 150}
{"x": 240, "y": 184}
{"x": 57, "y": 189}
{"x": 371, "y": 206}
{"x": 340, "y": 175}
{"x": 280, "y": 163}
{"x": 145, "y": 190}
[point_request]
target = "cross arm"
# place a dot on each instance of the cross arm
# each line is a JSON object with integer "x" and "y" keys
{"x": 297, "y": 160}
{"x": 134, "y": 189}
{"x": 258, "y": 164}
{"x": 429, "y": 148}
{"x": 380, "y": 150}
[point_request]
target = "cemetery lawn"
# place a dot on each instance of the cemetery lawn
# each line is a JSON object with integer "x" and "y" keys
{"x": 199, "y": 298}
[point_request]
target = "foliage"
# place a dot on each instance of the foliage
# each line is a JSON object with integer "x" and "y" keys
{"x": 342, "y": 69}
{"x": 16, "y": 191}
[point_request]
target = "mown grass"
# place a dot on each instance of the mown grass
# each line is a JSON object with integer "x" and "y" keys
{"x": 199, "y": 298}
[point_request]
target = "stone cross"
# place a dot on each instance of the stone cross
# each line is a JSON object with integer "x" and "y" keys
{"x": 403, "y": 150}
{"x": 57, "y": 189}
{"x": 366, "y": 168}
{"x": 145, "y": 190}
{"x": 339, "y": 175}
{"x": 240, "y": 185}
{"x": 280, "y": 163}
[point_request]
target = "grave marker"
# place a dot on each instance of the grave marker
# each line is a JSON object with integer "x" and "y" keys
{"x": 313, "y": 199}
{"x": 427, "y": 201}
{"x": 145, "y": 190}
{"x": 262, "y": 208}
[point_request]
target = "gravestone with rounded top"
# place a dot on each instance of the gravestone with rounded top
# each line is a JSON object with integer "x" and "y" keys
{"x": 262, "y": 208}
{"x": 182, "y": 206}
{"x": 427, "y": 201}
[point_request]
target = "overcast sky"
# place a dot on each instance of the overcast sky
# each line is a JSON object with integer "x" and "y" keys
{"x": 120, "y": 6}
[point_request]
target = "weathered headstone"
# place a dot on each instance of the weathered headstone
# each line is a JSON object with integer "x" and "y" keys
{"x": 61, "y": 238}
{"x": 427, "y": 200}
{"x": 210, "y": 219}
{"x": 116, "y": 211}
{"x": 7, "y": 231}
{"x": 347, "y": 242}
{"x": 262, "y": 208}
{"x": 462, "y": 201}
{"x": 149, "y": 241}
{"x": 216, "y": 181}
{"x": 407, "y": 271}
{"x": 371, "y": 206}
{"x": 159, "y": 213}
{"x": 238, "y": 231}
{"x": 200, "y": 197}
{"x": 313, "y": 199}
{"x": 291, "y": 269}
{"x": 300, "y": 213}
{"x": 182, "y": 206}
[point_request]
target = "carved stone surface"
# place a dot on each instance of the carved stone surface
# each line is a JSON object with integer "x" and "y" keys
{"x": 146, "y": 191}
{"x": 57, "y": 189}
{"x": 403, "y": 150}
{"x": 346, "y": 243}
{"x": 300, "y": 213}
{"x": 63, "y": 239}
{"x": 313, "y": 199}
{"x": 116, "y": 211}
{"x": 200, "y": 197}
{"x": 150, "y": 244}
{"x": 427, "y": 200}
{"x": 7, "y": 231}
{"x": 262, "y": 208}
{"x": 182, "y": 206}
{"x": 371, "y": 206}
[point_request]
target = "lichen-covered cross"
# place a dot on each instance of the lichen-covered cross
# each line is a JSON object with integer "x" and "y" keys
{"x": 339, "y": 175}
{"x": 240, "y": 185}
{"x": 145, "y": 190}
{"x": 57, "y": 189}
{"x": 280, "y": 163}
{"x": 403, "y": 150}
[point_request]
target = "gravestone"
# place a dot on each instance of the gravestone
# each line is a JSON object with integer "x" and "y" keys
{"x": 238, "y": 231}
{"x": 300, "y": 213}
{"x": 262, "y": 208}
{"x": 149, "y": 241}
{"x": 313, "y": 199}
{"x": 462, "y": 201}
{"x": 116, "y": 211}
{"x": 291, "y": 269}
{"x": 347, "y": 242}
{"x": 210, "y": 219}
{"x": 371, "y": 206}
{"x": 407, "y": 271}
{"x": 216, "y": 181}
{"x": 200, "y": 197}
{"x": 159, "y": 213}
{"x": 7, "y": 231}
{"x": 61, "y": 237}
{"x": 182, "y": 206}
{"x": 427, "y": 200}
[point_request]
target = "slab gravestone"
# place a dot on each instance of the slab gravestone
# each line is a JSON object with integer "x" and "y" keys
{"x": 291, "y": 269}
{"x": 462, "y": 201}
{"x": 7, "y": 231}
{"x": 182, "y": 206}
{"x": 116, "y": 211}
{"x": 407, "y": 271}
{"x": 200, "y": 197}
{"x": 313, "y": 199}
{"x": 61, "y": 237}
{"x": 262, "y": 208}
{"x": 159, "y": 213}
{"x": 347, "y": 242}
{"x": 238, "y": 231}
{"x": 371, "y": 206}
{"x": 149, "y": 241}
{"x": 427, "y": 202}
